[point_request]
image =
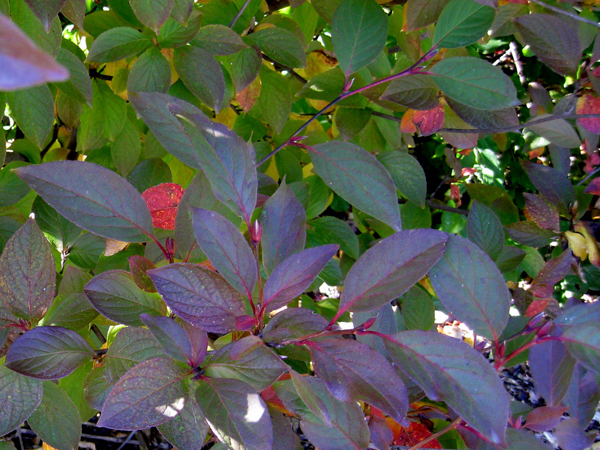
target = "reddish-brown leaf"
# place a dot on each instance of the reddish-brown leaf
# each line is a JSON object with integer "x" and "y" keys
{"x": 541, "y": 212}
{"x": 138, "y": 266}
{"x": 414, "y": 434}
{"x": 407, "y": 125}
{"x": 544, "y": 418}
{"x": 429, "y": 121}
{"x": 248, "y": 96}
{"x": 552, "y": 272}
{"x": 536, "y": 307}
{"x": 162, "y": 201}
{"x": 594, "y": 187}
{"x": 589, "y": 104}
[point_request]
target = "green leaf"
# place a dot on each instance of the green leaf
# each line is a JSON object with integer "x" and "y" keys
{"x": 474, "y": 82}
{"x": 126, "y": 148}
{"x": 281, "y": 45}
{"x": 323, "y": 86}
{"x": 559, "y": 132}
{"x": 331, "y": 230}
{"x": 174, "y": 34}
{"x": 86, "y": 251}
{"x": 237, "y": 415}
{"x": 91, "y": 197}
{"x": 28, "y": 391}
{"x": 152, "y": 13}
{"x": 75, "y": 10}
{"x": 182, "y": 10}
{"x": 12, "y": 188}
{"x": 79, "y": 85}
{"x": 408, "y": 175}
{"x": 116, "y": 296}
{"x": 358, "y": 31}
{"x": 470, "y": 285}
{"x": 311, "y": 399}
{"x": 350, "y": 121}
{"x": 8, "y": 227}
{"x": 275, "y": 99}
{"x": 583, "y": 342}
{"x": 23, "y": 17}
{"x": 485, "y": 229}
{"x": 437, "y": 363}
{"x": 413, "y": 91}
{"x": 358, "y": 178}
{"x": 247, "y": 360}
{"x": 151, "y": 72}
{"x": 46, "y": 10}
{"x": 27, "y": 273}
{"x": 115, "y": 110}
{"x": 202, "y": 74}
{"x": 33, "y": 110}
{"x": 118, "y": 43}
{"x": 462, "y": 22}
{"x": 420, "y": 13}
{"x": 418, "y": 309}
{"x": 187, "y": 430}
{"x": 72, "y": 311}
{"x": 219, "y": 40}
{"x": 150, "y": 172}
{"x": 244, "y": 67}
{"x": 48, "y": 353}
{"x": 57, "y": 421}
{"x": 553, "y": 41}
{"x": 149, "y": 394}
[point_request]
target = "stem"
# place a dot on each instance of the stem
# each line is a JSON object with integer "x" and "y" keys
{"x": 261, "y": 312}
{"x": 566, "y": 13}
{"x": 442, "y": 207}
{"x": 518, "y": 65}
{"x": 325, "y": 332}
{"x": 434, "y": 436}
{"x": 588, "y": 176}
{"x": 239, "y": 13}
{"x": 501, "y": 361}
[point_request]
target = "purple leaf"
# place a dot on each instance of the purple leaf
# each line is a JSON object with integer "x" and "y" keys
{"x": 226, "y": 159}
{"x": 149, "y": 394}
{"x": 199, "y": 341}
{"x": 27, "y": 273}
{"x": 522, "y": 440}
{"x": 187, "y": 430}
{"x": 24, "y": 63}
{"x": 451, "y": 371}
{"x": 247, "y": 360}
{"x": 236, "y": 413}
{"x": 553, "y": 272}
{"x": 227, "y": 249}
{"x": 552, "y": 184}
{"x": 295, "y": 274}
{"x": 571, "y": 435}
{"x": 293, "y": 323}
{"x": 541, "y": 212}
{"x": 93, "y": 197}
{"x": 544, "y": 418}
{"x": 200, "y": 296}
{"x": 284, "y": 430}
{"x": 354, "y": 371}
{"x": 390, "y": 268}
{"x": 311, "y": 399}
{"x": 356, "y": 176}
{"x": 470, "y": 285}
{"x": 582, "y": 395}
{"x": 583, "y": 342}
{"x": 48, "y": 353}
{"x": 283, "y": 221}
{"x": 96, "y": 388}
{"x": 116, "y": 296}
{"x": 578, "y": 315}
{"x": 381, "y": 435}
{"x": 551, "y": 368}
{"x": 28, "y": 391}
{"x": 171, "y": 336}
{"x": 138, "y": 266}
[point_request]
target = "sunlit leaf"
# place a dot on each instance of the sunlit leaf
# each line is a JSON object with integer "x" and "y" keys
{"x": 162, "y": 201}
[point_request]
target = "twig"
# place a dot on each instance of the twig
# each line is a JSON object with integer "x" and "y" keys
{"x": 518, "y": 65}
{"x": 239, "y": 13}
{"x": 434, "y": 436}
{"x": 566, "y": 13}
{"x": 127, "y": 439}
{"x": 588, "y": 176}
{"x": 442, "y": 207}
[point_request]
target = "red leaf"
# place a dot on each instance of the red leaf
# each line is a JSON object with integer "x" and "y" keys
{"x": 429, "y": 121}
{"x": 407, "y": 125}
{"x": 414, "y": 434}
{"x": 162, "y": 201}
{"x": 589, "y": 104}
{"x": 536, "y": 307}
{"x": 594, "y": 187}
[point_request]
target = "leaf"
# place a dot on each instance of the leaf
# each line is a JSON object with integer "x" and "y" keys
{"x": 294, "y": 275}
{"x": 150, "y": 172}
{"x": 182, "y": 9}
{"x": 57, "y": 421}
{"x": 418, "y": 309}
{"x": 544, "y": 418}
{"x": 437, "y": 363}
{"x": 358, "y": 32}
{"x": 188, "y": 429}
{"x": 202, "y": 74}
{"x": 354, "y": 371}
{"x": 138, "y": 266}
{"x": 152, "y": 13}
{"x": 559, "y": 132}
{"x": 582, "y": 395}
{"x": 483, "y": 119}
{"x": 553, "y": 185}
{"x": 116, "y": 296}
{"x": 149, "y": 394}
{"x": 429, "y": 121}
{"x": 247, "y": 360}
{"x": 91, "y": 197}
{"x": 28, "y": 391}
{"x": 46, "y": 10}
{"x": 151, "y": 72}
{"x": 118, "y": 43}
{"x": 227, "y": 249}
{"x": 331, "y": 230}
{"x": 162, "y": 201}
{"x": 283, "y": 223}
{"x": 33, "y": 110}
{"x": 311, "y": 399}
{"x": 293, "y": 323}
{"x": 236, "y": 413}
{"x": 24, "y": 18}
{"x": 541, "y": 212}
{"x": 275, "y": 99}
{"x": 462, "y": 22}
{"x": 485, "y": 229}
{"x": 61, "y": 233}
{"x": 79, "y": 85}
{"x": 25, "y": 63}
{"x": 589, "y": 104}
{"x": 474, "y": 82}
{"x": 200, "y": 296}
{"x": 27, "y": 273}
{"x": 48, "y": 353}
{"x": 408, "y": 175}
{"x": 553, "y": 272}
{"x": 359, "y": 178}
{"x": 75, "y": 10}
{"x": 528, "y": 233}
{"x": 171, "y": 336}
{"x": 420, "y": 13}
{"x": 219, "y": 40}
{"x": 523, "y": 440}
{"x": 413, "y": 91}
{"x": 350, "y": 121}
{"x": 227, "y": 161}
{"x": 281, "y": 45}
{"x": 470, "y": 285}
{"x": 390, "y": 268}
{"x": 571, "y": 436}
{"x": 72, "y": 311}
{"x": 552, "y": 40}
{"x": 176, "y": 34}
{"x": 126, "y": 148}
{"x": 245, "y": 66}
{"x": 583, "y": 342}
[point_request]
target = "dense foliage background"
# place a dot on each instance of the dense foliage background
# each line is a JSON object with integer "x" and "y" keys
{"x": 187, "y": 188}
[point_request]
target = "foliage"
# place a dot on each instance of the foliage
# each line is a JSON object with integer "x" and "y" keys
{"x": 187, "y": 183}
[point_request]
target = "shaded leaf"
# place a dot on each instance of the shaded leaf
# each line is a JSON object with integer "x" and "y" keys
{"x": 390, "y": 268}
{"x": 408, "y": 175}
{"x": 171, "y": 336}
{"x": 413, "y": 91}
{"x": 437, "y": 363}
{"x": 331, "y": 230}
{"x": 151, "y": 72}
{"x": 528, "y": 233}
{"x": 74, "y": 10}
{"x": 118, "y": 43}
{"x": 149, "y": 394}
{"x": 162, "y": 201}
{"x": 583, "y": 342}
{"x": 554, "y": 186}
{"x": 357, "y": 176}
{"x": 245, "y": 66}
{"x": 559, "y": 132}
{"x": 544, "y": 418}
{"x": 152, "y": 13}
{"x": 420, "y": 13}
{"x": 46, "y": 10}
{"x": 33, "y": 110}
{"x": 552, "y": 273}
{"x": 79, "y": 85}
{"x": 59, "y": 231}
{"x": 523, "y": 440}
{"x": 462, "y": 22}
{"x": 485, "y": 229}
{"x": 48, "y": 353}
{"x": 311, "y": 399}
{"x": 350, "y": 121}
{"x": 281, "y": 45}
{"x": 571, "y": 436}
{"x": 72, "y": 311}
{"x": 541, "y": 212}
{"x": 27, "y": 273}
{"x": 484, "y": 119}
{"x": 589, "y": 104}
{"x": 188, "y": 429}
{"x": 116, "y": 296}
{"x": 126, "y": 148}
{"x": 219, "y": 40}
{"x": 200, "y": 296}
{"x": 418, "y": 309}
{"x": 176, "y": 34}
{"x": 138, "y": 266}
{"x": 28, "y": 390}
{"x": 470, "y": 285}
{"x": 582, "y": 395}
{"x": 275, "y": 99}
